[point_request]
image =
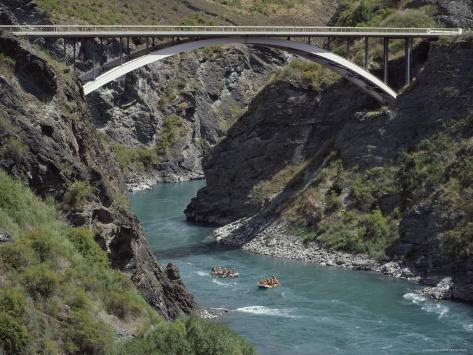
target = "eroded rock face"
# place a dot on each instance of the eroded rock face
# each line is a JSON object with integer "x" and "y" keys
{"x": 288, "y": 124}
{"x": 209, "y": 89}
{"x": 50, "y": 144}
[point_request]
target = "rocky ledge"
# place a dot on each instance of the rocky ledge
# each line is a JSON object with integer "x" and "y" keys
{"x": 272, "y": 239}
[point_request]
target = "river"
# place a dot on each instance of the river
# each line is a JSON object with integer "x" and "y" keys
{"x": 316, "y": 310}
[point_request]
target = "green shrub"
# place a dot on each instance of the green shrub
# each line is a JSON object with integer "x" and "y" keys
{"x": 332, "y": 202}
{"x": 77, "y": 193}
{"x": 207, "y": 338}
{"x": 16, "y": 255}
{"x": 362, "y": 193}
{"x": 457, "y": 244}
{"x": 40, "y": 281}
{"x": 422, "y": 170}
{"x": 141, "y": 159}
{"x": 410, "y": 18}
{"x": 84, "y": 243}
{"x": 12, "y": 301}
{"x": 14, "y": 337}
{"x": 359, "y": 233}
{"x": 121, "y": 305}
{"x": 190, "y": 335}
{"x": 14, "y": 149}
{"x": 85, "y": 335}
{"x": 173, "y": 128}
{"x": 42, "y": 244}
{"x": 308, "y": 73}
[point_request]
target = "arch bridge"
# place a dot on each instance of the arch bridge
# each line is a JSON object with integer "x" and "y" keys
{"x": 165, "y": 41}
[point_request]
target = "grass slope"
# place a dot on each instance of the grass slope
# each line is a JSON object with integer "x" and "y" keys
{"x": 191, "y": 12}
{"x": 58, "y": 293}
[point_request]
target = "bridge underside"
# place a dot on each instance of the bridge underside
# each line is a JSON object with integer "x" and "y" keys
{"x": 352, "y": 72}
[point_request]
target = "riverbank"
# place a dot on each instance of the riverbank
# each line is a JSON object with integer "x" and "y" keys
{"x": 144, "y": 182}
{"x": 273, "y": 239}
{"x": 359, "y": 313}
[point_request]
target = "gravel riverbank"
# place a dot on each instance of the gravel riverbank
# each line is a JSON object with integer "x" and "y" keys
{"x": 272, "y": 239}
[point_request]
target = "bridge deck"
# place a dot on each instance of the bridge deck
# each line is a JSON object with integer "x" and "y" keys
{"x": 79, "y": 31}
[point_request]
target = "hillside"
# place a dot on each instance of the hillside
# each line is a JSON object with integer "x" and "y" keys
{"x": 59, "y": 294}
{"x": 390, "y": 182}
{"x": 189, "y": 12}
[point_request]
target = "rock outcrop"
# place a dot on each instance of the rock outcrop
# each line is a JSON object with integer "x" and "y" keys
{"x": 48, "y": 140}
{"x": 289, "y": 125}
{"x": 209, "y": 90}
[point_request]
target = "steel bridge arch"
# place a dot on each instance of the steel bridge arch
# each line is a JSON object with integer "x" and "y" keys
{"x": 352, "y": 72}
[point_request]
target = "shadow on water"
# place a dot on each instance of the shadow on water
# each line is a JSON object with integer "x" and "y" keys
{"x": 191, "y": 250}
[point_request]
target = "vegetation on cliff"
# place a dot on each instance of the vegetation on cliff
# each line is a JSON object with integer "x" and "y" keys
{"x": 59, "y": 294}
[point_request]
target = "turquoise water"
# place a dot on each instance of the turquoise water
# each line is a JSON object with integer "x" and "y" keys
{"x": 316, "y": 310}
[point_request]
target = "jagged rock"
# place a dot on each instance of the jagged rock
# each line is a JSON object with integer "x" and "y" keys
{"x": 35, "y": 75}
{"x": 290, "y": 124}
{"x": 208, "y": 90}
{"x": 285, "y": 124}
{"x": 5, "y": 237}
{"x": 51, "y": 166}
{"x": 443, "y": 290}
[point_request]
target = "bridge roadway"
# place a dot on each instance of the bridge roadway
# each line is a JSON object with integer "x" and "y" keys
{"x": 83, "y": 31}
{"x": 181, "y": 39}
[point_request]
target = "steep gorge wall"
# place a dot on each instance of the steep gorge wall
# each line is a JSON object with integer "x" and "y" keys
{"x": 273, "y": 155}
{"x": 207, "y": 90}
{"x": 48, "y": 140}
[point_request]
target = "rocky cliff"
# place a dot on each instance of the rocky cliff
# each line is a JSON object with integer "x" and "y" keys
{"x": 353, "y": 175}
{"x": 207, "y": 91}
{"x": 48, "y": 140}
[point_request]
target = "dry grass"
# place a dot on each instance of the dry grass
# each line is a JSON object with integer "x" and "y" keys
{"x": 155, "y": 12}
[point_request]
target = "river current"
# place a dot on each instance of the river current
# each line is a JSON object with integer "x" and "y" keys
{"x": 316, "y": 310}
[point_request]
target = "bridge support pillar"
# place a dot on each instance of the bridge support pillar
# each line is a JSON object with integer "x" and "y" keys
{"x": 386, "y": 59}
{"x": 103, "y": 53}
{"x": 329, "y": 43}
{"x": 308, "y": 41}
{"x": 366, "y": 52}
{"x": 74, "y": 54}
{"x": 154, "y": 42}
{"x": 348, "y": 48}
{"x": 128, "y": 47}
{"x": 408, "y": 56}
{"x": 65, "y": 50}
{"x": 121, "y": 51}
{"x": 93, "y": 62}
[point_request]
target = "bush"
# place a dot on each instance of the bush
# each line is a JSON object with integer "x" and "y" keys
{"x": 422, "y": 170}
{"x": 359, "y": 233}
{"x": 457, "y": 244}
{"x": 14, "y": 149}
{"x": 173, "y": 128}
{"x": 308, "y": 73}
{"x": 85, "y": 335}
{"x": 141, "y": 159}
{"x": 77, "y": 193}
{"x": 190, "y": 335}
{"x": 207, "y": 338}
{"x": 39, "y": 281}
{"x": 362, "y": 193}
{"x": 14, "y": 337}
{"x": 12, "y": 302}
{"x": 42, "y": 244}
{"x": 120, "y": 305}
{"x": 166, "y": 339}
{"x": 84, "y": 243}
{"x": 332, "y": 202}
{"x": 16, "y": 255}
{"x": 410, "y": 18}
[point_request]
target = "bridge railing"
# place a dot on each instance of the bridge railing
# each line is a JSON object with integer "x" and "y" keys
{"x": 226, "y": 29}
